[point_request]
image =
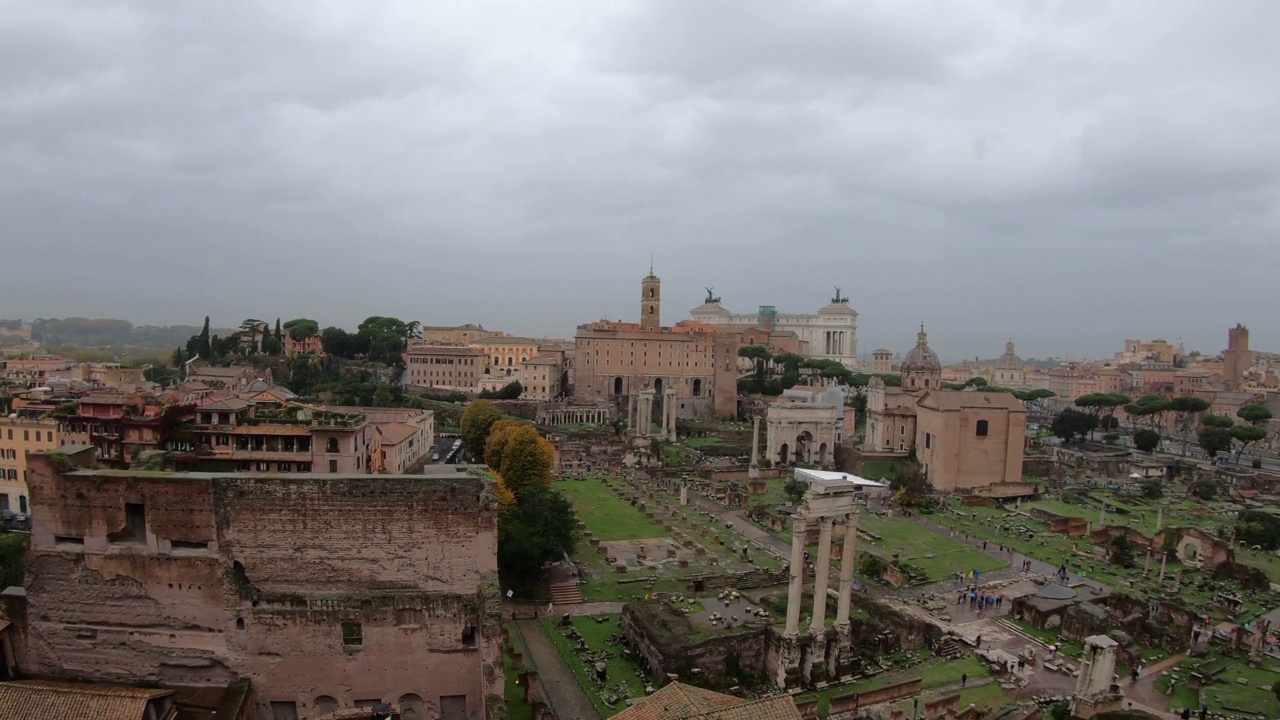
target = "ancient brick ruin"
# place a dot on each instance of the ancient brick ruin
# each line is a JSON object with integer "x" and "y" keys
{"x": 326, "y": 592}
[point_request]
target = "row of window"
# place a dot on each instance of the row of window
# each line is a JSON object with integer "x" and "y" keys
{"x": 413, "y": 360}
{"x": 41, "y": 435}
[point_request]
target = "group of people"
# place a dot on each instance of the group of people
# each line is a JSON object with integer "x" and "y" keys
{"x": 980, "y": 600}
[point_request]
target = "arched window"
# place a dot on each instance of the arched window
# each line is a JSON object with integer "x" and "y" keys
{"x": 982, "y": 428}
{"x": 652, "y": 292}
{"x": 650, "y": 309}
{"x": 331, "y": 446}
{"x": 617, "y": 386}
{"x": 325, "y": 705}
{"x": 697, "y": 387}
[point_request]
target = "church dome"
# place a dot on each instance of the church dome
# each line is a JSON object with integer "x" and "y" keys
{"x": 1009, "y": 360}
{"x": 921, "y": 357}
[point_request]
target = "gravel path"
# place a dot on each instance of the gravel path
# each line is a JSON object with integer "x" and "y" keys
{"x": 564, "y": 694}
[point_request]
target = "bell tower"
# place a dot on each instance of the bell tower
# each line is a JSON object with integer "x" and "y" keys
{"x": 651, "y": 303}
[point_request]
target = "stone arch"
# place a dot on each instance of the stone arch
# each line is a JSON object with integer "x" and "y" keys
{"x": 782, "y": 454}
{"x": 412, "y": 707}
{"x": 617, "y": 386}
{"x": 324, "y": 706}
{"x": 803, "y": 451}
{"x": 331, "y": 446}
{"x": 822, "y": 454}
{"x": 657, "y": 387}
{"x": 697, "y": 387}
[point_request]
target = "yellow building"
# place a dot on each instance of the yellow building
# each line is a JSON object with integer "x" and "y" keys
{"x": 506, "y": 353}
{"x": 19, "y": 436}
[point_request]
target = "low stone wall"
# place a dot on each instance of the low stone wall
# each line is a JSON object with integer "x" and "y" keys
{"x": 849, "y": 705}
{"x": 741, "y": 581}
{"x": 659, "y": 637}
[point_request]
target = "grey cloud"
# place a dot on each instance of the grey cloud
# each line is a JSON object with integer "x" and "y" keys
{"x": 1068, "y": 174}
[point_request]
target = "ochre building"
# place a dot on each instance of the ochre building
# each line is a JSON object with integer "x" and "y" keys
{"x": 615, "y": 361}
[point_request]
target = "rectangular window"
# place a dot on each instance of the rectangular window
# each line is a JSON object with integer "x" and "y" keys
{"x": 352, "y": 634}
{"x": 68, "y": 541}
{"x": 135, "y": 525}
{"x": 469, "y": 636}
{"x": 284, "y": 710}
{"x": 333, "y": 466}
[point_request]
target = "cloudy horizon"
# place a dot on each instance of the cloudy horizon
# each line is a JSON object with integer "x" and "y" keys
{"x": 1064, "y": 174}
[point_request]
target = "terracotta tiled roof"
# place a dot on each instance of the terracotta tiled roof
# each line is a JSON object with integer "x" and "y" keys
{"x": 43, "y": 699}
{"x": 230, "y": 404}
{"x": 947, "y": 400}
{"x": 678, "y": 701}
{"x": 396, "y": 433}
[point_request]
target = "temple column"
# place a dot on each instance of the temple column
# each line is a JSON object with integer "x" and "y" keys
{"x": 795, "y": 590}
{"x": 847, "y": 559}
{"x": 820, "y": 581}
{"x": 753, "y": 472}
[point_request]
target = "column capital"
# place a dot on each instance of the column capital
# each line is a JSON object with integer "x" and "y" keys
{"x": 828, "y": 522}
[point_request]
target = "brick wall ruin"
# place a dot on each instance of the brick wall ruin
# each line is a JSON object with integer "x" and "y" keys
{"x": 324, "y": 591}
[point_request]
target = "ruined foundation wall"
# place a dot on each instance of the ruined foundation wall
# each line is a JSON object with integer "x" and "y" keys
{"x": 240, "y": 576}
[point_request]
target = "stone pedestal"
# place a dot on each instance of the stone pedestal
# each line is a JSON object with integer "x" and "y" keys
{"x": 790, "y": 656}
{"x": 684, "y": 494}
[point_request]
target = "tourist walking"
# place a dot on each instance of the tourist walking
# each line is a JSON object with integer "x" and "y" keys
{"x": 964, "y": 680}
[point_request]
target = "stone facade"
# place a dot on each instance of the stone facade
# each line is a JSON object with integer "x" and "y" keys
{"x": 449, "y": 367}
{"x": 19, "y": 436}
{"x": 800, "y": 433}
{"x": 615, "y": 361}
{"x": 1010, "y": 370}
{"x": 967, "y": 440}
{"x": 326, "y": 592}
{"x": 830, "y": 334}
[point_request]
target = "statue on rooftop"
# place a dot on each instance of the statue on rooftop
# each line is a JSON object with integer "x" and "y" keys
{"x": 711, "y": 296}
{"x": 839, "y": 298}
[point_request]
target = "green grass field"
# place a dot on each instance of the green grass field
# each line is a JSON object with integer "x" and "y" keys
{"x": 606, "y": 515}
{"x": 936, "y": 554}
{"x": 622, "y": 678}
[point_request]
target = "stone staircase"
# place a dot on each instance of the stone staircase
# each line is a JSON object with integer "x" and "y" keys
{"x": 949, "y": 648}
{"x": 566, "y": 594}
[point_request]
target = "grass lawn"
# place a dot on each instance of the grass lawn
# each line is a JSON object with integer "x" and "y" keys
{"x": 517, "y": 708}
{"x": 878, "y": 469}
{"x": 936, "y": 554}
{"x": 1229, "y": 697}
{"x": 623, "y": 681}
{"x": 1067, "y": 648}
{"x": 1183, "y": 695}
{"x": 606, "y": 515}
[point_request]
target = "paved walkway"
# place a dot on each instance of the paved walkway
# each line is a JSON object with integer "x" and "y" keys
{"x": 564, "y": 694}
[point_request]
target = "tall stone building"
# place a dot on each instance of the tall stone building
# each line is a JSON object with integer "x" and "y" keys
{"x": 1237, "y": 359}
{"x": 615, "y": 361}
{"x": 326, "y": 592}
{"x": 829, "y": 334}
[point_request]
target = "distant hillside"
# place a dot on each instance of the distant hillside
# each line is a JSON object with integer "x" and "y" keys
{"x": 91, "y": 333}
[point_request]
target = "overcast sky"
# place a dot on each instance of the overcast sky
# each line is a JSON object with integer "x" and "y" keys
{"x": 1067, "y": 174}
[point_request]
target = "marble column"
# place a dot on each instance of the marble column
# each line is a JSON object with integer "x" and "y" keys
{"x": 847, "y": 559}
{"x": 753, "y": 472}
{"x": 669, "y": 414}
{"x": 795, "y": 591}
{"x": 820, "y": 581}
{"x": 1159, "y": 517}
